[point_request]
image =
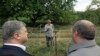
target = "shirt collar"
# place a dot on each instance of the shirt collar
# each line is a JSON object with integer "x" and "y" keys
{"x": 17, "y": 45}
{"x": 74, "y": 47}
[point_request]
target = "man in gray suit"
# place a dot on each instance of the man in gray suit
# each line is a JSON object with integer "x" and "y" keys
{"x": 84, "y": 40}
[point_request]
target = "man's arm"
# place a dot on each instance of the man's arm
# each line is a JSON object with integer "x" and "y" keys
{"x": 46, "y": 28}
{"x": 52, "y": 27}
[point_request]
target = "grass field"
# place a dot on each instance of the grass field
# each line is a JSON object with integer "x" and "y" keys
{"x": 36, "y": 45}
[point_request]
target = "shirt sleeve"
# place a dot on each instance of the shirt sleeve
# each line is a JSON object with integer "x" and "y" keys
{"x": 45, "y": 28}
{"x": 52, "y": 27}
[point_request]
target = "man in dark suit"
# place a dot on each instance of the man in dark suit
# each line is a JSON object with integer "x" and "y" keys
{"x": 14, "y": 36}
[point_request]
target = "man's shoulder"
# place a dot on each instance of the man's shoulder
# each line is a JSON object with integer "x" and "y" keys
{"x": 51, "y": 24}
{"x": 13, "y": 51}
{"x": 86, "y": 51}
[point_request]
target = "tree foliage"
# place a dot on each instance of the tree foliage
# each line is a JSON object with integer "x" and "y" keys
{"x": 33, "y": 10}
{"x": 92, "y": 15}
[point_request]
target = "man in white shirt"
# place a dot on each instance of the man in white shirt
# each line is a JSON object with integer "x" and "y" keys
{"x": 14, "y": 36}
{"x": 49, "y": 31}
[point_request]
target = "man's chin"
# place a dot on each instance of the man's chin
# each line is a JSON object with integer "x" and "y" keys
{"x": 23, "y": 42}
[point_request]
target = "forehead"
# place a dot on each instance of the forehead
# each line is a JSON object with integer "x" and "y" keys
{"x": 23, "y": 28}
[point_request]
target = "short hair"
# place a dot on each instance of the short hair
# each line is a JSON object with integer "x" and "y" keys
{"x": 85, "y": 31}
{"x": 10, "y": 27}
{"x": 48, "y": 20}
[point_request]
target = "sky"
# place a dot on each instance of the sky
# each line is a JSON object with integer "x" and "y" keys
{"x": 82, "y": 4}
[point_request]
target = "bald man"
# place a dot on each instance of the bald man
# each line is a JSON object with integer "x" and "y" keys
{"x": 84, "y": 40}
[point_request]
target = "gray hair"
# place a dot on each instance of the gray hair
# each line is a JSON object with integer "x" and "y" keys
{"x": 10, "y": 27}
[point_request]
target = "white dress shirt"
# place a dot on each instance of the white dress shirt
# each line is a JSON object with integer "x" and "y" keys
{"x": 17, "y": 45}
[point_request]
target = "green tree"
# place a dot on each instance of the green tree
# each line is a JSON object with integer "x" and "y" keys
{"x": 34, "y": 10}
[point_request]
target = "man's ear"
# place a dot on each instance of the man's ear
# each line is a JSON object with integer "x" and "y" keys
{"x": 75, "y": 36}
{"x": 16, "y": 35}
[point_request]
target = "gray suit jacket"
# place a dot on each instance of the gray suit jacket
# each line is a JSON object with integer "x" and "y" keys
{"x": 88, "y": 48}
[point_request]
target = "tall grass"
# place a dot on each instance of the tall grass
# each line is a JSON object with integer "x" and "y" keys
{"x": 36, "y": 45}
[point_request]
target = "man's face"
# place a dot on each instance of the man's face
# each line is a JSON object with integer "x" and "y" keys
{"x": 73, "y": 37}
{"x": 23, "y": 35}
{"x": 49, "y": 22}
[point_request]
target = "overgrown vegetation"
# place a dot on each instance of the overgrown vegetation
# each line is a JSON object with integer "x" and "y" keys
{"x": 36, "y": 45}
{"x": 36, "y": 12}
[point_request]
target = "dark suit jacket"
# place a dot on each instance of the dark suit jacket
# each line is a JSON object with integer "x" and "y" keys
{"x": 7, "y": 50}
